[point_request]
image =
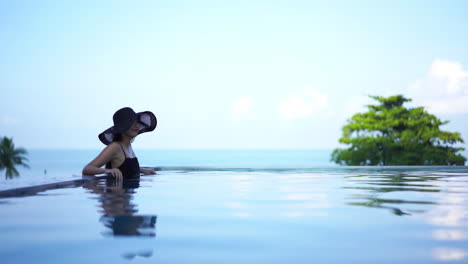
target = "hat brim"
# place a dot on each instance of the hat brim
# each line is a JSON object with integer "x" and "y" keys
{"x": 147, "y": 119}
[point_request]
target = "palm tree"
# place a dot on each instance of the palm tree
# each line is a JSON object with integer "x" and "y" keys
{"x": 10, "y": 157}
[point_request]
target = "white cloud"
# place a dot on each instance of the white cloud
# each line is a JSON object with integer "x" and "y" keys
{"x": 241, "y": 109}
{"x": 451, "y": 73}
{"x": 8, "y": 121}
{"x": 444, "y": 89}
{"x": 309, "y": 102}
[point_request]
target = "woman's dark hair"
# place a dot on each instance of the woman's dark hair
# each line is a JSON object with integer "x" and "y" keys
{"x": 117, "y": 137}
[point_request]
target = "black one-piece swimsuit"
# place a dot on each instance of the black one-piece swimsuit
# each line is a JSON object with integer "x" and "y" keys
{"x": 130, "y": 168}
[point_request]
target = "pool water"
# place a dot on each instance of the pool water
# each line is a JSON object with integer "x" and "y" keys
{"x": 222, "y": 215}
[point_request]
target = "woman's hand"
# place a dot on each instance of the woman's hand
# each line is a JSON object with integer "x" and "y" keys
{"x": 116, "y": 173}
{"x": 147, "y": 171}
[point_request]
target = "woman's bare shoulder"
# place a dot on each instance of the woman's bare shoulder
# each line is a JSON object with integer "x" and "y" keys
{"x": 109, "y": 153}
{"x": 112, "y": 148}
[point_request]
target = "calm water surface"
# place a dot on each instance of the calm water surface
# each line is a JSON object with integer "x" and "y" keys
{"x": 366, "y": 215}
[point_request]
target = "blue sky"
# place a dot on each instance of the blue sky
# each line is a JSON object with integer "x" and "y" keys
{"x": 224, "y": 74}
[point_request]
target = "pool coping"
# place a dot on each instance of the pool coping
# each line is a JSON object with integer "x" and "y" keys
{"x": 34, "y": 190}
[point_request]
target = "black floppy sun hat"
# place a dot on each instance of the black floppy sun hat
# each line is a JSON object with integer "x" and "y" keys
{"x": 123, "y": 121}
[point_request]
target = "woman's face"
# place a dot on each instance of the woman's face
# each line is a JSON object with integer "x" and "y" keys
{"x": 134, "y": 129}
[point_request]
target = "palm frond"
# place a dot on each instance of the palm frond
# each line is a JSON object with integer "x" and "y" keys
{"x": 11, "y": 157}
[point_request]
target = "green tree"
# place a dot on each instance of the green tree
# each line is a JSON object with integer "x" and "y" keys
{"x": 390, "y": 134}
{"x": 11, "y": 157}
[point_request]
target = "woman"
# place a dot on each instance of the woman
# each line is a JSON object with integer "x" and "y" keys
{"x": 118, "y": 156}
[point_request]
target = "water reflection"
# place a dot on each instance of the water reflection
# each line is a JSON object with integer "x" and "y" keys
{"x": 371, "y": 189}
{"x": 382, "y": 183}
{"x": 439, "y": 200}
{"x": 452, "y": 210}
{"x": 450, "y": 235}
{"x": 119, "y": 213}
{"x": 146, "y": 253}
{"x": 297, "y": 195}
{"x": 449, "y": 254}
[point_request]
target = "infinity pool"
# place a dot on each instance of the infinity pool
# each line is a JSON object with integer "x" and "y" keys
{"x": 222, "y": 215}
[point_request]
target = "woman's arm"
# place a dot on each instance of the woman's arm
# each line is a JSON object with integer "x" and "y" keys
{"x": 107, "y": 155}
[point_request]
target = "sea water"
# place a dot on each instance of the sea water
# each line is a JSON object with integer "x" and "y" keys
{"x": 245, "y": 214}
